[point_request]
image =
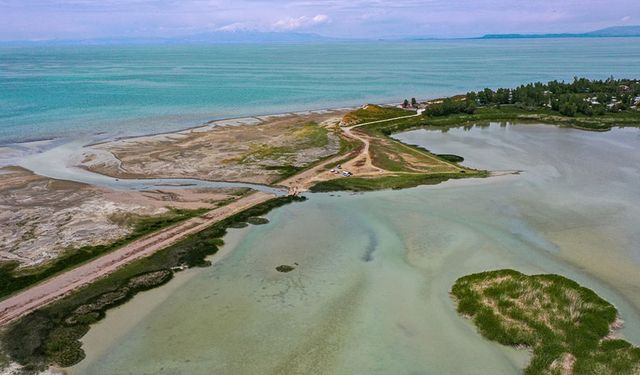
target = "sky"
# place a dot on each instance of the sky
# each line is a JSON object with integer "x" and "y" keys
{"x": 86, "y": 19}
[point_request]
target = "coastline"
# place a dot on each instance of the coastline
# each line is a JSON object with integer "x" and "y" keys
{"x": 295, "y": 183}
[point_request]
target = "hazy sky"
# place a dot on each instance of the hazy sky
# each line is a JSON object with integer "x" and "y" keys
{"x": 47, "y": 19}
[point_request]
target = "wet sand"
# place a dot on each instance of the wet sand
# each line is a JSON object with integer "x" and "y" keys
{"x": 234, "y": 150}
{"x": 370, "y": 293}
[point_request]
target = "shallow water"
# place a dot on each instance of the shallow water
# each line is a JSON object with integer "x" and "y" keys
{"x": 370, "y": 292}
{"x": 60, "y": 160}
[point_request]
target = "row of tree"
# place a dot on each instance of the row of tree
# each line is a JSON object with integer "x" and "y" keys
{"x": 588, "y": 97}
{"x": 451, "y": 106}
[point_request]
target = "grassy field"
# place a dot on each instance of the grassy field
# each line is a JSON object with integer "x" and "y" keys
{"x": 402, "y": 181}
{"x": 306, "y": 136}
{"x": 51, "y": 335}
{"x": 13, "y": 280}
{"x": 311, "y": 135}
{"x": 564, "y": 324}
{"x": 372, "y": 112}
{"x": 394, "y": 156}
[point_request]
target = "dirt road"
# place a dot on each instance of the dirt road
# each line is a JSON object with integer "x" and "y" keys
{"x": 57, "y": 287}
{"x": 360, "y": 164}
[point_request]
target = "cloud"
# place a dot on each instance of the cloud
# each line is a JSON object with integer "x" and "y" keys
{"x": 285, "y": 24}
{"x": 238, "y": 26}
{"x": 28, "y": 19}
{"x": 303, "y": 22}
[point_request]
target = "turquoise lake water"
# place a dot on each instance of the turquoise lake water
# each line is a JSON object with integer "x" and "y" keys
{"x": 123, "y": 90}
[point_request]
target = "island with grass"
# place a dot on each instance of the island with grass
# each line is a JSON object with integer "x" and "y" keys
{"x": 568, "y": 328}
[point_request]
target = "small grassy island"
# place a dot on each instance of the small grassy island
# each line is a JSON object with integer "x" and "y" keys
{"x": 568, "y": 327}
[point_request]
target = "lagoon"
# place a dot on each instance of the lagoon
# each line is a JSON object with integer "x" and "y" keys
{"x": 370, "y": 292}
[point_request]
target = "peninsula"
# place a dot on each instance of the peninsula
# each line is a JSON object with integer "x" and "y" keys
{"x": 50, "y": 305}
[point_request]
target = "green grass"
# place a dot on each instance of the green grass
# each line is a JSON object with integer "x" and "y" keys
{"x": 51, "y": 335}
{"x": 13, "y": 279}
{"x": 557, "y": 318}
{"x": 311, "y": 135}
{"x": 348, "y": 145}
{"x": 402, "y": 181}
{"x": 305, "y": 136}
{"x": 395, "y": 156}
{"x": 374, "y": 113}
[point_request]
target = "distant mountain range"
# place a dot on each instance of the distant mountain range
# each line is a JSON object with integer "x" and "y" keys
{"x": 221, "y": 37}
{"x": 216, "y": 37}
{"x": 609, "y": 32}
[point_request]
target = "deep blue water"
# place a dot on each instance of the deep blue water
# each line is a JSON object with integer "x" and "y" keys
{"x": 67, "y": 91}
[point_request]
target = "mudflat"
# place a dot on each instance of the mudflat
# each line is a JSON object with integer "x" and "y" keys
{"x": 41, "y": 218}
{"x": 259, "y": 151}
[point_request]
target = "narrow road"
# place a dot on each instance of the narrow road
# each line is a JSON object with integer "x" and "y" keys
{"x": 61, "y": 285}
{"x": 57, "y": 287}
{"x": 305, "y": 179}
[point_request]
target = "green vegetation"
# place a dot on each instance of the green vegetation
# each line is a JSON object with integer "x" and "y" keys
{"x": 565, "y": 325}
{"x": 13, "y": 279}
{"x": 284, "y": 268}
{"x": 450, "y": 106}
{"x": 51, "y": 335}
{"x": 599, "y": 105}
{"x": 582, "y": 96}
{"x": 394, "y": 156}
{"x": 451, "y": 158}
{"x": 372, "y": 112}
{"x": 308, "y": 135}
{"x": 584, "y": 104}
{"x": 254, "y": 220}
{"x": 261, "y": 152}
{"x": 406, "y": 165}
{"x": 401, "y": 181}
{"x": 285, "y": 171}
{"x": 311, "y": 135}
{"x": 512, "y": 112}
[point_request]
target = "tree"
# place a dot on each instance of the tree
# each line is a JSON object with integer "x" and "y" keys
{"x": 472, "y": 96}
{"x": 568, "y": 108}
